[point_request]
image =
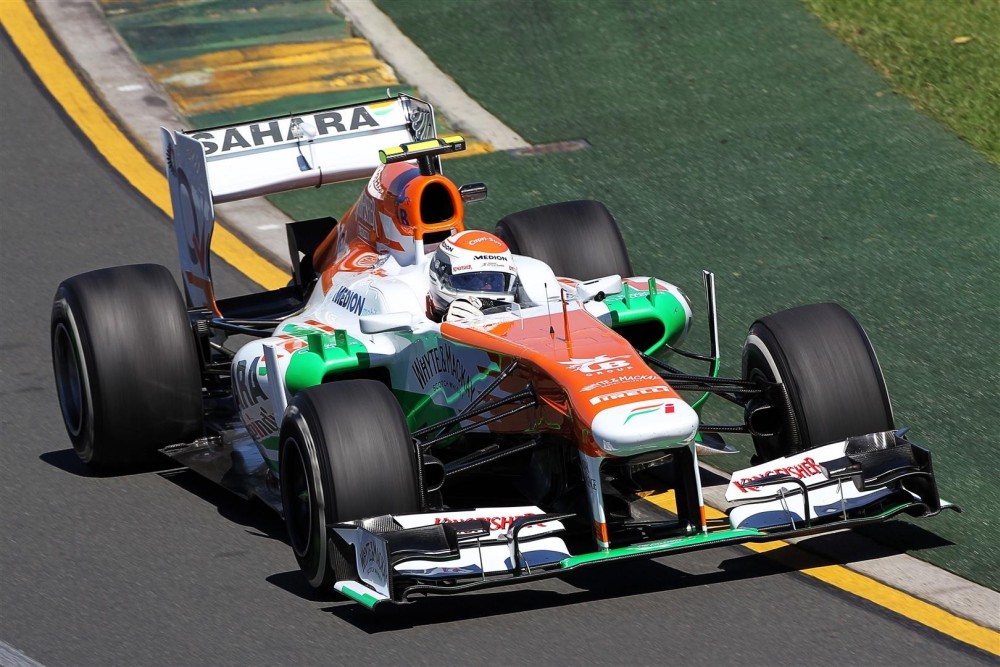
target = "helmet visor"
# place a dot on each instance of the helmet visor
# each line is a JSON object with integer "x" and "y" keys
{"x": 482, "y": 281}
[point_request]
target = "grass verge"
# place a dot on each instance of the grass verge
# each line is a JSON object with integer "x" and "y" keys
{"x": 943, "y": 55}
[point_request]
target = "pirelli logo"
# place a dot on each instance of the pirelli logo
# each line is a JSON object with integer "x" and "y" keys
{"x": 628, "y": 393}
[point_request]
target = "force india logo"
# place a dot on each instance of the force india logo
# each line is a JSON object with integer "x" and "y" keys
{"x": 598, "y": 365}
{"x": 668, "y": 408}
{"x": 374, "y": 565}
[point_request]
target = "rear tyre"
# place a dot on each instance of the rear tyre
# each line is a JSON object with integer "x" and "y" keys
{"x": 577, "y": 239}
{"x": 126, "y": 365}
{"x": 834, "y": 382}
{"x": 346, "y": 454}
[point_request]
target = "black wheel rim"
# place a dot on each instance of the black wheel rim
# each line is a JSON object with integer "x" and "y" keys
{"x": 297, "y": 501}
{"x": 69, "y": 380}
{"x": 767, "y": 447}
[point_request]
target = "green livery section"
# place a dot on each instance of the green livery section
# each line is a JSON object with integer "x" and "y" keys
{"x": 163, "y": 31}
{"x": 421, "y": 410}
{"x": 328, "y": 354}
{"x": 648, "y": 318}
{"x": 325, "y": 354}
{"x": 661, "y": 546}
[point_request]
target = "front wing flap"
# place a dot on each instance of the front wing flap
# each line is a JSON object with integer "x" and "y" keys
{"x": 846, "y": 480}
{"x": 858, "y": 481}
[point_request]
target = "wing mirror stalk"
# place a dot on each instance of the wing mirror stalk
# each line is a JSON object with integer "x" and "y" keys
{"x": 599, "y": 288}
{"x": 383, "y": 322}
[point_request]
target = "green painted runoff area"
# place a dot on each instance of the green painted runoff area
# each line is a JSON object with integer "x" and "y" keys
{"x": 160, "y": 31}
{"x": 743, "y": 138}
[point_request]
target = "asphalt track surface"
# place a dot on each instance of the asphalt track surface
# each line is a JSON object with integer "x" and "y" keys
{"x": 163, "y": 568}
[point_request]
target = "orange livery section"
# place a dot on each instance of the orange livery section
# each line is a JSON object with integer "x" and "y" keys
{"x": 400, "y": 213}
{"x": 594, "y": 370}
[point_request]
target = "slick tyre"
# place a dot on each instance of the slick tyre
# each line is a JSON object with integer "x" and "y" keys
{"x": 346, "y": 453}
{"x": 126, "y": 367}
{"x": 833, "y": 380}
{"x": 577, "y": 239}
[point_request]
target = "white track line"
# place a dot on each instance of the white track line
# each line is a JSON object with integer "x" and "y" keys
{"x": 11, "y": 657}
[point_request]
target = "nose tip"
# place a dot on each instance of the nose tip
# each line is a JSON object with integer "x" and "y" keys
{"x": 629, "y": 429}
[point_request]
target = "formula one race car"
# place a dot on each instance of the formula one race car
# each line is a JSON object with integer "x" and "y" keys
{"x": 413, "y": 455}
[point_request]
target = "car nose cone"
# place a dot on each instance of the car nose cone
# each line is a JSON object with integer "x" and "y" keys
{"x": 629, "y": 429}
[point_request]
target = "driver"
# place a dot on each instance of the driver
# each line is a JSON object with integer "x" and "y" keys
{"x": 471, "y": 272}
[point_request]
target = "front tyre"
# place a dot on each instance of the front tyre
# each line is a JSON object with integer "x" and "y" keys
{"x": 126, "y": 366}
{"x": 833, "y": 380}
{"x": 346, "y": 453}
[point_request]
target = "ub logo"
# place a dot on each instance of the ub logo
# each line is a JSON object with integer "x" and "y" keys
{"x": 598, "y": 365}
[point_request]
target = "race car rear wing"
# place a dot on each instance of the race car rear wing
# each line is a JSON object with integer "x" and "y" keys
{"x": 225, "y": 164}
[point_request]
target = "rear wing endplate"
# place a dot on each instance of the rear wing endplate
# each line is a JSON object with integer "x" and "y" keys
{"x": 225, "y": 164}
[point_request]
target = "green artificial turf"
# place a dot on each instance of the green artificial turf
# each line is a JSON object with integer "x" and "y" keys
{"x": 945, "y": 55}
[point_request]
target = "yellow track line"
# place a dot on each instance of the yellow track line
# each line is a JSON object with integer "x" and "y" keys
{"x": 20, "y": 23}
{"x": 76, "y": 100}
{"x": 882, "y": 595}
{"x": 864, "y": 587}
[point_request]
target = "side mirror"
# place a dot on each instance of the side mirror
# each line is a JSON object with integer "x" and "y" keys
{"x": 473, "y": 192}
{"x": 599, "y": 288}
{"x": 383, "y": 322}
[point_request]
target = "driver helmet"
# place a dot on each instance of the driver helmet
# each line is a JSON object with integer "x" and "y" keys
{"x": 472, "y": 264}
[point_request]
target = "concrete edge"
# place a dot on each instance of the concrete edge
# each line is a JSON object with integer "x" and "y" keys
{"x": 413, "y": 66}
{"x": 141, "y": 108}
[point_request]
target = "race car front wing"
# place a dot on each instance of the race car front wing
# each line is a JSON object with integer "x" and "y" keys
{"x": 861, "y": 480}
